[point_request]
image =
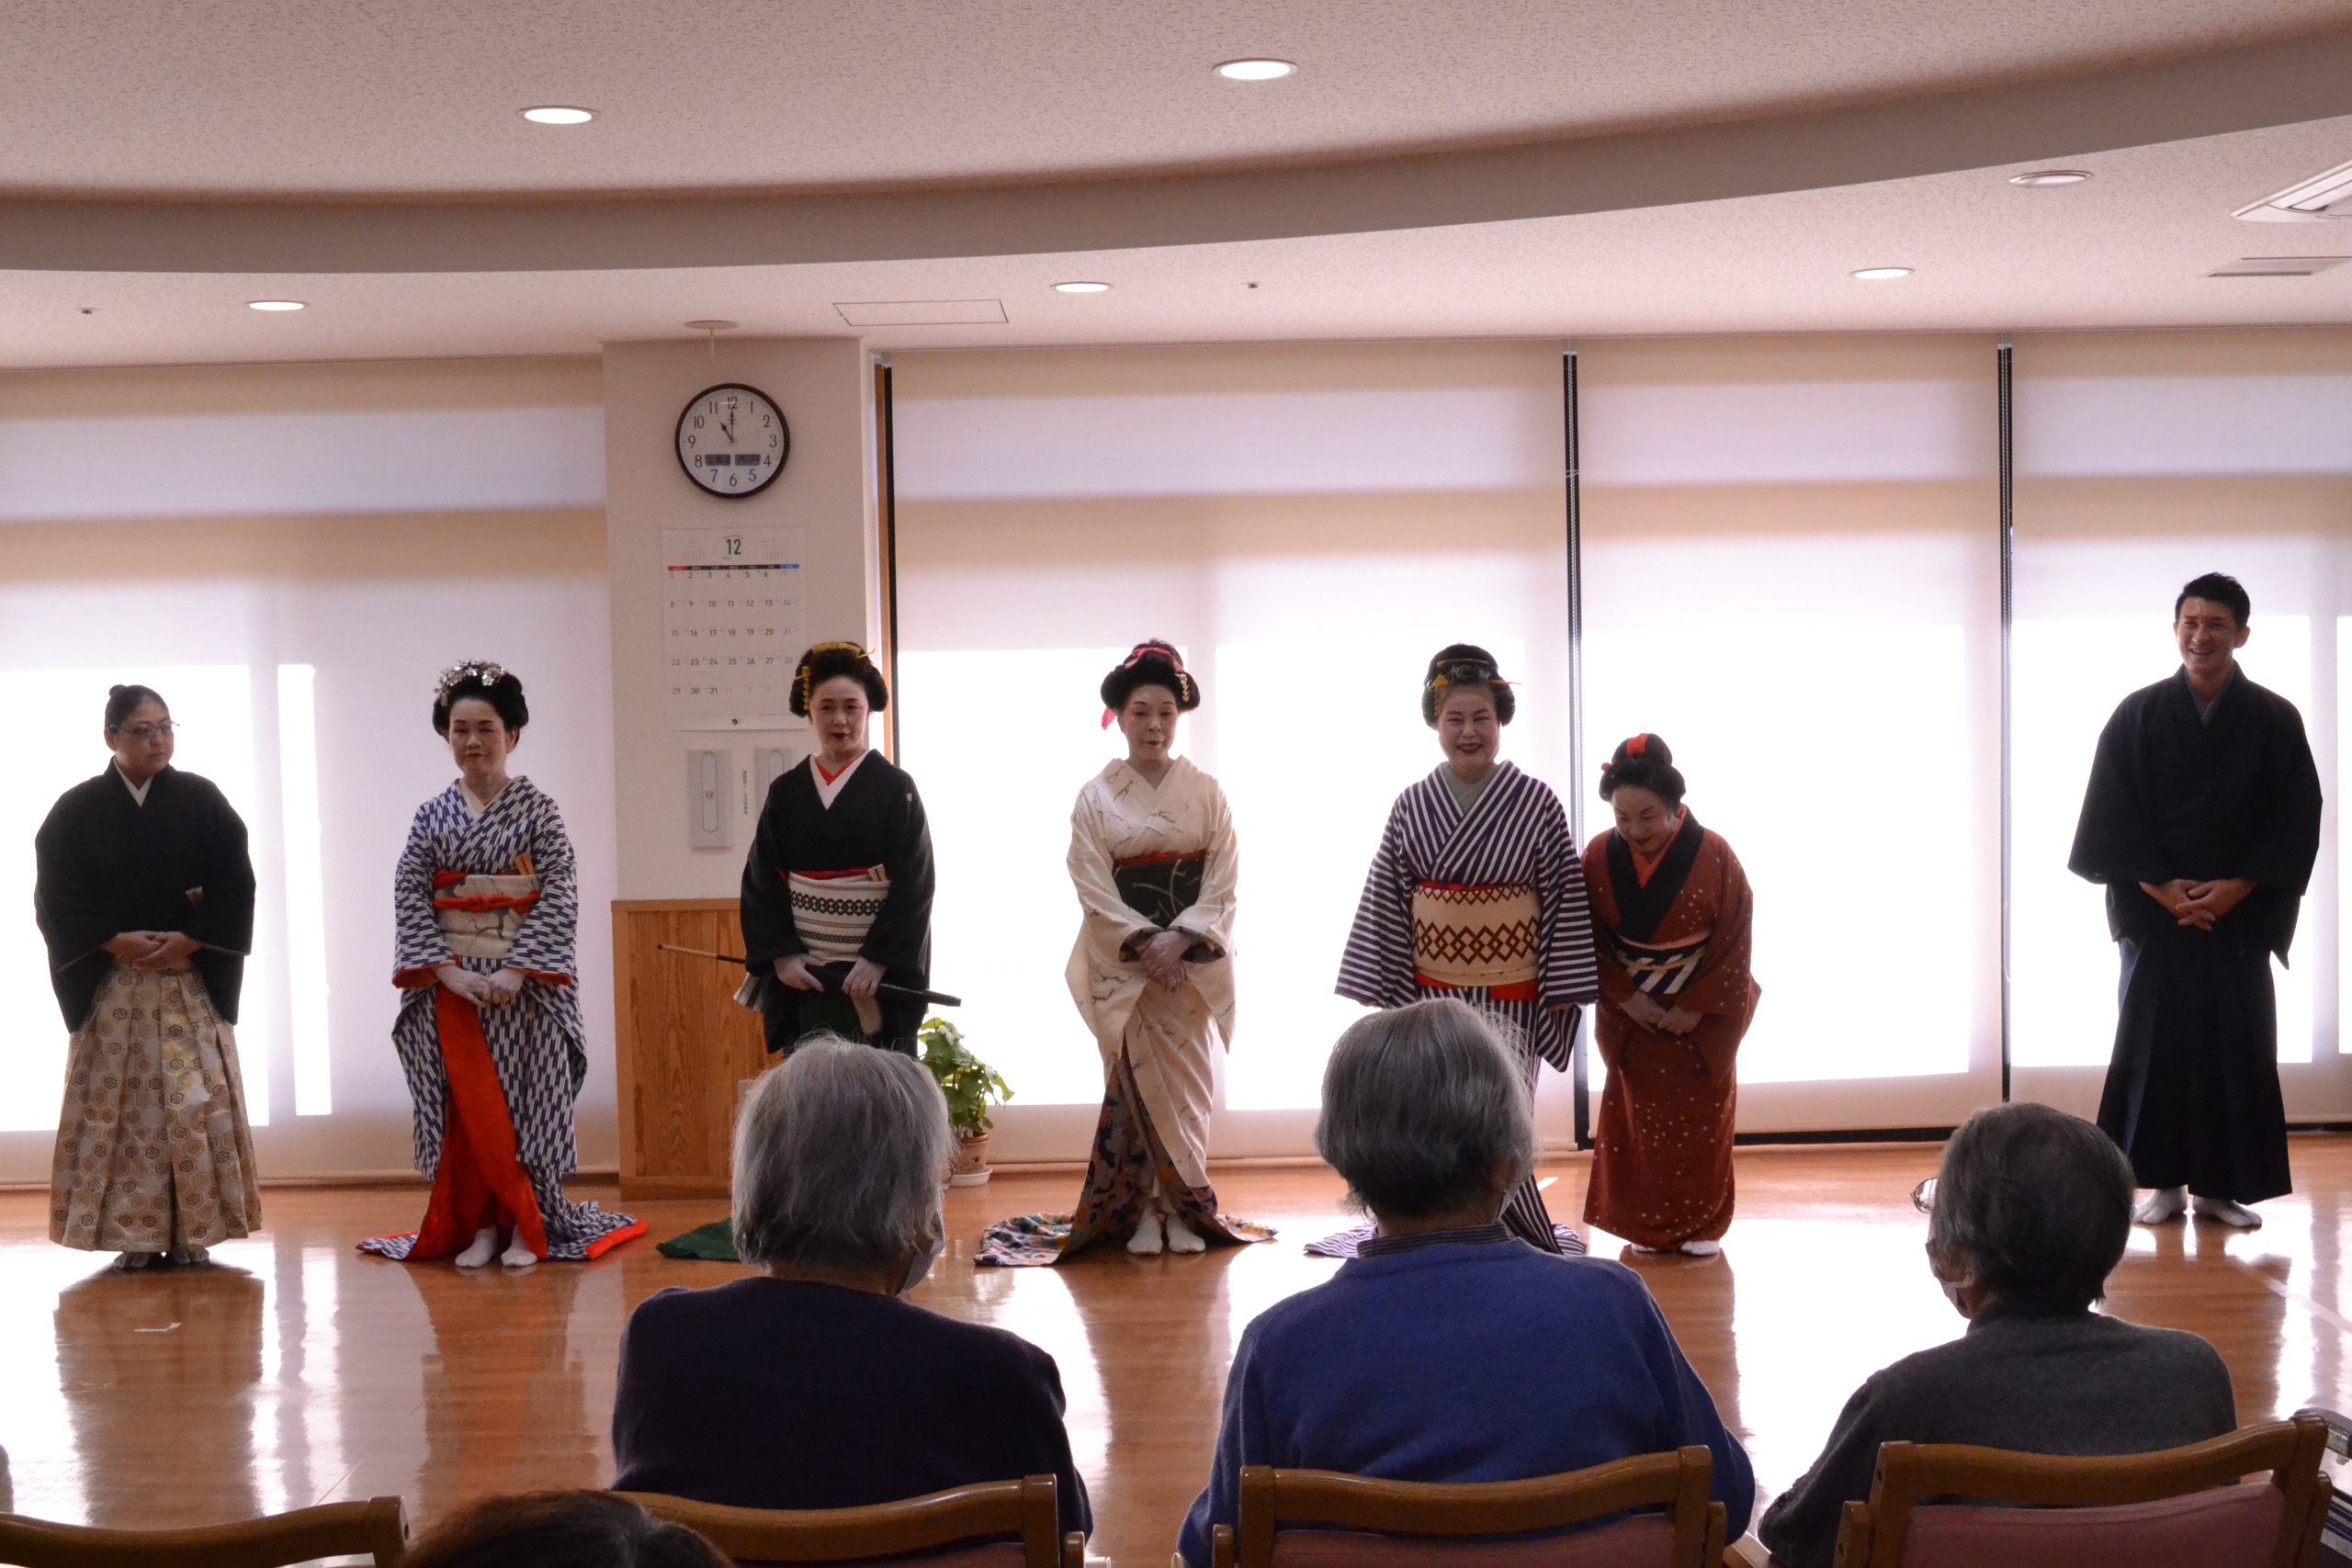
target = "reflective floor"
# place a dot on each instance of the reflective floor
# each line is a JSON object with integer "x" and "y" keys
{"x": 297, "y": 1370}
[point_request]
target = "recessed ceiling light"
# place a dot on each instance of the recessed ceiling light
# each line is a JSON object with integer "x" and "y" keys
{"x": 1879, "y": 273}
{"x": 557, "y": 114}
{"x": 1256, "y": 69}
{"x": 273, "y": 304}
{"x": 2042, "y": 178}
{"x": 1082, "y": 288}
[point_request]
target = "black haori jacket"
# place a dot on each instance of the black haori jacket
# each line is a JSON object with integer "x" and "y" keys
{"x": 108, "y": 864}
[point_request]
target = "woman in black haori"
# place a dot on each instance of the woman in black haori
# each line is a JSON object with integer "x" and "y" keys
{"x": 145, "y": 899}
{"x": 839, "y": 882}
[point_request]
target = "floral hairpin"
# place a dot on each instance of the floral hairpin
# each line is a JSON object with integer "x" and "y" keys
{"x": 482, "y": 670}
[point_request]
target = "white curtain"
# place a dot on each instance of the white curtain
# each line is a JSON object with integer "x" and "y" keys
{"x": 2144, "y": 460}
{"x": 1309, "y": 522}
{"x": 1790, "y": 575}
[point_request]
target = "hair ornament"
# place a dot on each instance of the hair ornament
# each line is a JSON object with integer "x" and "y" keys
{"x": 800, "y": 677}
{"x": 489, "y": 673}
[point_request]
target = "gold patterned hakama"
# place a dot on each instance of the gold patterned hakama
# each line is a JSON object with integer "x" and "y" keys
{"x": 153, "y": 1153}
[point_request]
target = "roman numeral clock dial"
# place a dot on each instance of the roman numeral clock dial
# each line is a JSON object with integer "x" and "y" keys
{"x": 732, "y": 441}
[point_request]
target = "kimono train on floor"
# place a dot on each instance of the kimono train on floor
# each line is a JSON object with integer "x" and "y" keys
{"x": 153, "y": 1152}
{"x": 1677, "y": 928}
{"x": 1145, "y": 857}
{"x": 1488, "y": 905}
{"x": 492, "y": 887}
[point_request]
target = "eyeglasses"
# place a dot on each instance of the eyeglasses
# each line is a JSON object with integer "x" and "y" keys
{"x": 1923, "y": 1197}
{"x": 143, "y": 733}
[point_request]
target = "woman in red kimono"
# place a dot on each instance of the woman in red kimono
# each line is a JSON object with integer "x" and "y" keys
{"x": 1671, "y": 915}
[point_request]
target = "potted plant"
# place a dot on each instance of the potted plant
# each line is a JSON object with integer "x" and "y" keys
{"x": 971, "y": 1086}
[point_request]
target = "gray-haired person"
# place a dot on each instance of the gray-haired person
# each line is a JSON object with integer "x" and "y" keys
{"x": 2030, "y": 1213}
{"x": 1449, "y": 1349}
{"x": 813, "y": 1383}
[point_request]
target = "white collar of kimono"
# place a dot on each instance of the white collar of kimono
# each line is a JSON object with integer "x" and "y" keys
{"x": 475, "y": 805}
{"x": 138, "y": 791}
{"x": 827, "y": 789}
{"x": 1175, "y": 766}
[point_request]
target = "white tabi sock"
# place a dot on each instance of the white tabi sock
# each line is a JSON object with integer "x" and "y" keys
{"x": 2161, "y": 1203}
{"x": 1147, "y": 1240}
{"x": 1181, "y": 1237}
{"x": 2228, "y": 1211}
{"x": 484, "y": 1249}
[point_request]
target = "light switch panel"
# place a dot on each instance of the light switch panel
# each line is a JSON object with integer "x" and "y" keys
{"x": 710, "y": 803}
{"x": 768, "y": 764}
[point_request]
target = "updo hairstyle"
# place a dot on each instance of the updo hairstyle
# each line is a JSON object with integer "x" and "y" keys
{"x": 480, "y": 679}
{"x": 1460, "y": 665}
{"x": 827, "y": 660}
{"x": 124, "y": 701}
{"x": 1644, "y": 762}
{"x": 1151, "y": 664}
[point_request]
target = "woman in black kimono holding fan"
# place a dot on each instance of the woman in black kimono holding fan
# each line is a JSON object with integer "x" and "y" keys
{"x": 836, "y": 899}
{"x": 145, "y": 899}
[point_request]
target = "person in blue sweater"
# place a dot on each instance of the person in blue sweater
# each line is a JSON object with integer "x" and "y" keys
{"x": 1450, "y": 1351}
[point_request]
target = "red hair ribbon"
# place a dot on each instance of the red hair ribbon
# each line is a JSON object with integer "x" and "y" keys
{"x": 1107, "y": 717}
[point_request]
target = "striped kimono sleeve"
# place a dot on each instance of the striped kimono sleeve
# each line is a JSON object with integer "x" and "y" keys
{"x": 1377, "y": 967}
{"x": 543, "y": 943}
{"x": 1569, "y": 969}
{"x": 418, "y": 946}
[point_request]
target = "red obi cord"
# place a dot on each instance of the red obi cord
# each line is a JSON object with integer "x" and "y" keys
{"x": 481, "y": 902}
{"x": 1162, "y": 859}
{"x": 830, "y": 876}
{"x": 480, "y": 1180}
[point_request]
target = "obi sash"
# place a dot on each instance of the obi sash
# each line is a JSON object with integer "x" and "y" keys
{"x": 480, "y": 915}
{"x": 1660, "y": 969}
{"x": 835, "y": 911}
{"x": 1475, "y": 936}
{"x": 1160, "y": 887}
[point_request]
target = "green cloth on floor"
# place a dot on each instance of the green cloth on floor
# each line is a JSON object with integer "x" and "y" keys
{"x": 715, "y": 1241}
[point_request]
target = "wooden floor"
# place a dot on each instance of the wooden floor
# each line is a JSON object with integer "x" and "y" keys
{"x": 301, "y": 1371}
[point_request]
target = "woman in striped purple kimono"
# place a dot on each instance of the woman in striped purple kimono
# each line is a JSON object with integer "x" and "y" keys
{"x": 1477, "y": 892}
{"x": 488, "y": 1036}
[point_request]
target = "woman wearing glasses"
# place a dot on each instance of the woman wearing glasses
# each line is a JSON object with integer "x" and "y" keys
{"x": 145, "y": 901}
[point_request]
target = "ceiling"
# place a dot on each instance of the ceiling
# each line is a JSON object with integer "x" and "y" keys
{"x": 1500, "y": 168}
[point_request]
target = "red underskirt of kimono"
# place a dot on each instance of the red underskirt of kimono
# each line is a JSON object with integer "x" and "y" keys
{"x": 480, "y": 1180}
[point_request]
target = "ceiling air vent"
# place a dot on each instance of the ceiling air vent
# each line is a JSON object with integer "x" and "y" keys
{"x": 2277, "y": 266}
{"x": 2318, "y": 196}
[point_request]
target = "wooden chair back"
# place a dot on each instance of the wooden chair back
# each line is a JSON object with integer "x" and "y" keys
{"x": 2182, "y": 1507}
{"x": 376, "y": 1529}
{"x": 963, "y": 1527}
{"x": 1367, "y": 1521}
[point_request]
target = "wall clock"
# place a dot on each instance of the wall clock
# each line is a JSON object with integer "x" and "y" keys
{"x": 732, "y": 441}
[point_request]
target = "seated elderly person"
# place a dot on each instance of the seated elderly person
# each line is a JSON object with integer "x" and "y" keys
{"x": 2032, "y": 1209}
{"x": 1451, "y": 1351}
{"x": 813, "y": 1383}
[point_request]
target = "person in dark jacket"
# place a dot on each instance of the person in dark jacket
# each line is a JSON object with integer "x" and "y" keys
{"x": 815, "y": 1383}
{"x": 2030, "y": 1213}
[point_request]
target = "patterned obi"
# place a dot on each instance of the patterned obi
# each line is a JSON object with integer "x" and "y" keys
{"x": 480, "y": 915}
{"x": 833, "y": 910}
{"x": 1475, "y": 936}
{"x": 1660, "y": 969}
{"x": 1160, "y": 887}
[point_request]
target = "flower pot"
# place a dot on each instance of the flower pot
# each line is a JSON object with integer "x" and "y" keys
{"x": 970, "y": 1167}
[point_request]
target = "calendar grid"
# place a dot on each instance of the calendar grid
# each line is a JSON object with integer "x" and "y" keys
{"x": 732, "y": 627}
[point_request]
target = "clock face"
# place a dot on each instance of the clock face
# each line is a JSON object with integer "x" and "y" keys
{"x": 732, "y": 441}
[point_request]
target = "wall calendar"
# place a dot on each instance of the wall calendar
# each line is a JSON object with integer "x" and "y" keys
{"x": 731, "y": 627}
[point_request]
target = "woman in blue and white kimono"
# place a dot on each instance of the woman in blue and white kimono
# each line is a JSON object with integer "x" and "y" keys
{"x": 488, "y": 1036}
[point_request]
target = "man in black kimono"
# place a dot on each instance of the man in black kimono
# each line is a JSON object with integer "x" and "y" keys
{"x": 2201, "y": 821}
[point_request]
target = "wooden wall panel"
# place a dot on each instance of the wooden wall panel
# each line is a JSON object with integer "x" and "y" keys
{"x": 683, "y": 1047}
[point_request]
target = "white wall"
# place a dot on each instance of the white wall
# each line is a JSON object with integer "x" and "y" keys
{"x": 822, "y": 386}
{"x": 215, "y": 531}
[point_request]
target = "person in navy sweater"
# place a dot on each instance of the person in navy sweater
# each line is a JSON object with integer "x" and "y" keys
{"x": 814, "y": 1384}
{"x": 1450, "y": 1351}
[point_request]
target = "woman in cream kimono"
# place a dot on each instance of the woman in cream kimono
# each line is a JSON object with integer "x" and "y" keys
{"x": 1153, "y": 856}
{"x": 486, "y": 902}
